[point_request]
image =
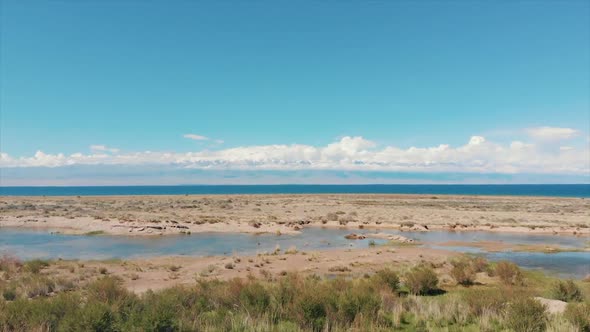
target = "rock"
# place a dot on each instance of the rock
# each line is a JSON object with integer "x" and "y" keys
{"x": 419, "y": 228}
{"x": 553, "y": 306}
{"x": 390, "y": 237}
{"x": 354, "y": 236}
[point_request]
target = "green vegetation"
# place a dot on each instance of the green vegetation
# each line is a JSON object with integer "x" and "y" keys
{"x": 509, "y": 273}
{"x": 387, "y": 300}
{"x": 421, "y": 280}
{"x": 526, "y": 314}
{"x": 35, "y": 265}
{"x": 464, "y": 269}
{"x": 566, "y": 291}
{"x": 578, "y": 314}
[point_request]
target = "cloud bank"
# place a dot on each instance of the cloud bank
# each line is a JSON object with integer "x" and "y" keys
{"x": 103, "y": 148}
{"x": 552, "y": 133}
{"x": 350, "y": 153}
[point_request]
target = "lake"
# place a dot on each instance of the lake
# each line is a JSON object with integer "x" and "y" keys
{"x": 556, "y": 190}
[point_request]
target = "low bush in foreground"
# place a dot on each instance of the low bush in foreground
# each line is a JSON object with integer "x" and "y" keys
{"x": 566, "y": 291}
{"x": 463, "y": 272}
{"x": 288, "y": 302}
{"x": 578, "y": 314}
{"x": 421, "y": 280}
{"x": 526, "y": 314}
{"x": 509, "y": 273}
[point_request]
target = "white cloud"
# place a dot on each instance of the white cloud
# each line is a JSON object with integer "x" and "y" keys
{"x": 551, "y": 133}
{"x": 103, "y": 148}
{"x": 478, "y": 155}
{"x": 196, "y": 137}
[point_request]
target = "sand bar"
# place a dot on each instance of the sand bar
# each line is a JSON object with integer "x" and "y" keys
{"x": 289, "y": 214}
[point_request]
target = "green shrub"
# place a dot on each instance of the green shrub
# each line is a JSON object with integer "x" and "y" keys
{"x": 579, "y": 315}
{"x": 107, "y": 290}
{"x": 421, "y": 280}
{"x": 358, "y": 299}
{"x": 480, "y": 264}
{"x": 463, "y": 272}
{"x": 94, "y": 316}
{"x": 34, "y": 266}
{"x": 255, "y": 298}
{"x": 312, "y": 310}
{"x": 42, "y": 314}
{"x": 566, "y": 291}
{"x": 526, "y": 314}
{"x": 9, "y": 294}
{"x": 37, "y": 285}
{"x": 487, "y": 301}
{"x": 161, "y": 311}
{"x": 509, "y": 273}
{"x": 387, "y": 277}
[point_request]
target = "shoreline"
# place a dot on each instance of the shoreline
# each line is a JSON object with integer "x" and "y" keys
{"x": 138, "y": 230}
{"x": 220, "y": 195}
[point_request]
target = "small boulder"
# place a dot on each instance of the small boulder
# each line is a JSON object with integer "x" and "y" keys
{"x": 354, "y": 236}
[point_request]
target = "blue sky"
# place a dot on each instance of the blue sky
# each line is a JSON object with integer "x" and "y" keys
{"x": 126, "y": 77}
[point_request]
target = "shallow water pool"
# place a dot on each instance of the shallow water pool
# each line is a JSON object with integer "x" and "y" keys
{"x": 27, "y": 244}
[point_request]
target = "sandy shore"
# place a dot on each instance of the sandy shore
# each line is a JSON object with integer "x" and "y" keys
{"x": 288, "y": 214}
{"x": 140, "y": 275}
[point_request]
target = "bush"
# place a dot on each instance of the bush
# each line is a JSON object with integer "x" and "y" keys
{"x": 358, "y": 300}
{"x": 480, "y": 264}
{"x": 37, "y": 286}
{"x": 161, "y": 311}
{"x": 35, "y": 265}
{"x": 421, "y": 280}
{"x": 388, "y": 278}
{"x": 107, "y": 290}
{"x": 94, "y": 316}
{"x": 9, "y": 294}
{"x": 312, "y": 310}
{"x": 487, "y": 301}
{"x": 463, "y": 272}
{"x": 566, "y": 291}
{"x": 526, "y": 314}
{"x": 42, "y": 314}
{"x": 509, "y": 273}
{"x": 579, "y": 315}
{"x": 255, "y": 298}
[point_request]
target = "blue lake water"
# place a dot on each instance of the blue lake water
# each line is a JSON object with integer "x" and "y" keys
{"x": 27, "y": 244}
{"x": 557, "y": 190}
